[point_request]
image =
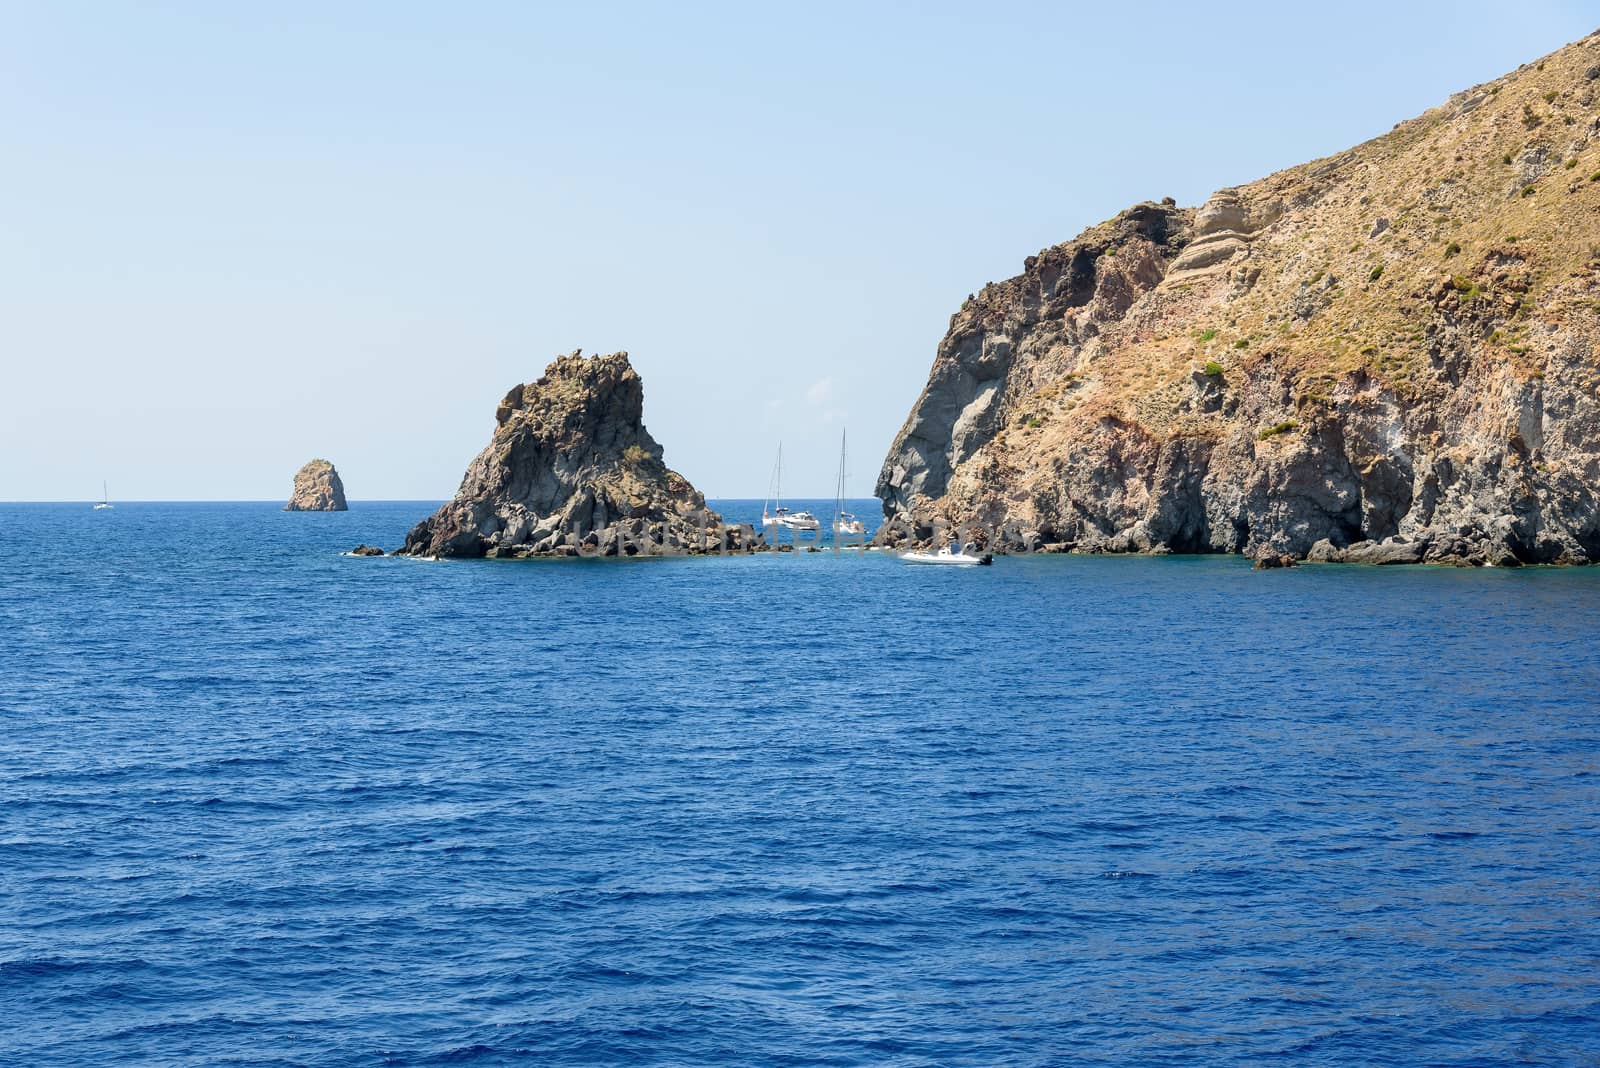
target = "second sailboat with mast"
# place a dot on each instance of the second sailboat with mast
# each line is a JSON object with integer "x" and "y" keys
{"x": 845, "y": 524}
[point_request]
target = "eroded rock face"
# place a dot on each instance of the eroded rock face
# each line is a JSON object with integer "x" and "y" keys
{"x": 1378, "y": 357}
{"x": 570, "y": 470}
{"x": 317, "y": 489}
{"x": 1017, "y": 337}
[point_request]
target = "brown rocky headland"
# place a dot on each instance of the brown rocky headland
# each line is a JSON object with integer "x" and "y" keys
{"x": 1391, "y": 355}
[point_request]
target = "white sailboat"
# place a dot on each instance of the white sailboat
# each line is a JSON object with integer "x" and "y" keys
{"x": 845, "y": 524}
{"x": 780, "y": 516}
{"x": 105, "y": 499}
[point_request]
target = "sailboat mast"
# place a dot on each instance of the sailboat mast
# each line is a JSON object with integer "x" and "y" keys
{"x": 838, "y": 487}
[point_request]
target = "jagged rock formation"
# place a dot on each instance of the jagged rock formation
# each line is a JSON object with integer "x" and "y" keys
{"x": 570, "y": 470}
{"x": 317, "y": 489}
{"x": 1391, "y": 355}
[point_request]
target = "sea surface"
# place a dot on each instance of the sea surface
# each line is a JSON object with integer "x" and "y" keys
{"x": 262, "y": 803}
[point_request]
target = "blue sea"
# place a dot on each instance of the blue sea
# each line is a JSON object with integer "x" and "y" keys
{"x": 263, "y": 803}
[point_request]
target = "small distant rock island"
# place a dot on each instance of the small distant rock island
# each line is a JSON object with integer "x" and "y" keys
{"x": 572, "y": 471}
{"x": 317, "y": 489}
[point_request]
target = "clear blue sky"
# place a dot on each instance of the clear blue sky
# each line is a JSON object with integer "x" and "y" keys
{"x": 236, "y": 236}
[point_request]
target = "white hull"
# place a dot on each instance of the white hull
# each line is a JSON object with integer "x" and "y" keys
{"x": 954, "y": 560}
{"x": 103, "y": 507}
{"x": 945, "y": 557}
{"x": 794, "y": 521}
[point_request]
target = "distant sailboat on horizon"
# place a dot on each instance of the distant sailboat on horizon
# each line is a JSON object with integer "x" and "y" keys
{"x": 105, "y": 499}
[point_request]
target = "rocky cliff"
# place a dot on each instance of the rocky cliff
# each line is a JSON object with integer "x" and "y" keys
{"x": 1392, "y": 354}
{"x": 570, "y": 469}
{"x": 317, "y": 489}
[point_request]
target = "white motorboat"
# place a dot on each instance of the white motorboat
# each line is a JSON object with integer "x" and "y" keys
{"x": 845, "y": 524}
{"x": 801, "y": 520}
{"x": 105, "y": 500}
{"x": 779, "y": 516}
{"x": 954, "y": 554}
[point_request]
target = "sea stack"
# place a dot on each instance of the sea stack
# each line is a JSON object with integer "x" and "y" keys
{"x": 317, "y": 489}
{"x": 571, "y": 470}
{"x": 1391, "y": 355}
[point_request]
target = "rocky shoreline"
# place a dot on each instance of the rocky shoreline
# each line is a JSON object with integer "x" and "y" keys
{"x": 1423, "y": 549}
{"x": 705, "y": 535}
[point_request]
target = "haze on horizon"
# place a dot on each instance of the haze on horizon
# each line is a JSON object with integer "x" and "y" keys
{"x": 239, "y": 238}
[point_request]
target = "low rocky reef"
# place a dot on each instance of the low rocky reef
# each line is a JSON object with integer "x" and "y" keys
{"x": 1460, "y": 549}
{"x": 572, "y": 471}
{"x": 628, "y": 540}
{"x": 317, "y": 488}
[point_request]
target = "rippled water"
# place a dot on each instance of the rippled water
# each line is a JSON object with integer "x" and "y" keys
{"x": 265, "y": 804}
